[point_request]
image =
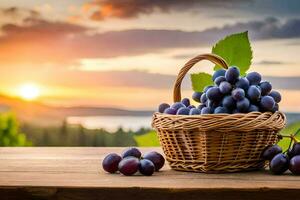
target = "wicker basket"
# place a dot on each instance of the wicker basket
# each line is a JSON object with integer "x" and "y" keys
{"x": 215, "y": 143}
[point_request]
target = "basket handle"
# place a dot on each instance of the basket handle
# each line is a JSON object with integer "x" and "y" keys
{"x": 211, "y": 57}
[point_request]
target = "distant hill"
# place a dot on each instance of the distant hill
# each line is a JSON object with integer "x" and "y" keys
{"x": 32, "y": 111}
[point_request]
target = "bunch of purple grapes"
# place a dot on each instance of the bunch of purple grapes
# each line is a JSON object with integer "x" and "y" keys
{"x": 230, "y": 94}
{"x": 131, "y": 161}
{"x": 281, "y": 162}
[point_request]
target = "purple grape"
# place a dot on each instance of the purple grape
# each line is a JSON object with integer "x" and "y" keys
{"x": 265, "y": 87}
{"x": 196, "y": 96}
{"x": 275, "y": 108}
{"x": 185, "y": 101}
{"x": 214, "y": 94}
{"x": 242, "y": 83}
{"x": 206, "y": 88}
{"x": 131, "y": 151}
{"x": 295, "y": 151}
{"x": 191, "y": 106}
{"x": 157, "y": 159}
{"x": 219, "y": 80}
{"x": 238, "y": 94}
{"x": 243, "y": 105}
{"x": 267, "y": 103}
{"x": 295, "y": 165}
{"x": 279, "y": 164}
{"x": 229, "y": 102}
{"x": 183, "y": 111}
{"x": 202, "y": 105}
{"x": 232, "y": 74}
{"x": 218, "y": 73}
{"x": 254, "y": 93}
{"x": 177, "y": 105}
{"x": 170, "y": 111}
{"x": 220, "y": 110}
{"x": 110, "y": 162}
{"x": 225, "y": 87}
{"x": 254, "y": 78}
{"x": 146, "y": 167}
{"x": 195, "y": 111}
{"x": 206, "y": 110}
{"x": 162, "y": 107}
{"x": 235, "y": 111}
{"x": 129, "y": 166}
{"x": 253, "y": 108}
{"x": 276, "y": 96}
{"x": 270, "y": 152}
{"x": 203, "y": 98}
{"x": 212, "y": 104}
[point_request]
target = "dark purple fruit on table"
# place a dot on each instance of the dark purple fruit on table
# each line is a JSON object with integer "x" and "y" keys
{"x": 238, "y": 94}
{"x": 206, "y": 110}
{"x": 177, "y": 105}
{"x": 279, "y": 164}
{"x": 191, "y": 106}
{"x": 254, "y": 93}
{"x": 295, "y": 150}
{"x": 196, "y": 96}
{"x": 242, "y": 83}
{"x": 243, "y": 105}
{"x": 162, "y": 107}
{"x": 185, "y": 101}
{"x": 254, "y": 78}
{"x": 195, "y": 111}
{"x": 146, "y": 167}
{"x": 203, "y": 98}
{"x": 225, "y": 87}
{"x": 265, "y": 87}
{"x": 221, "y": 110}
{"x": 218, "y": 73}
{"x": 170, "y": 111}
{"x": 232, "y": 74}
{"x": 253, "y": 108}
{"x": 110, "y": 162}
{"x": 214, "y": 94}
{"x": 157, "y": 159}
{"x": 206, "y": 88}
{"x": 267, "y": 103}
{"x": 131, "y": 151}
{"x": 183, "y": 111}
{"x": 276, "y": 96}
{"x": 229, "y": 102}
{"x": 295, "y": 165}
{"x": 219, "y": 80}
{"x": 271, "y": 151}
{"x": 129, "y": 166}
{"x": 200, "y": 106}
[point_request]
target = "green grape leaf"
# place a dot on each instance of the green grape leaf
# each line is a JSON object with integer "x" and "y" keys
{"x": 201, "y": 80}
{"x": 236, "y": 50}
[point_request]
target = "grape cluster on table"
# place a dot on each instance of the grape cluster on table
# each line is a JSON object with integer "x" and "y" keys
{"x": 231, "y": 93}
{"x": 280, "y": 162}
{"x": 131, "y": 161}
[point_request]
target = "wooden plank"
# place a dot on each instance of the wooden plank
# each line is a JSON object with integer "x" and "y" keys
{"x": 59, "y": 172}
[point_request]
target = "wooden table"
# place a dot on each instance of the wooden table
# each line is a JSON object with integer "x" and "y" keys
{"x": 76, "y": 173}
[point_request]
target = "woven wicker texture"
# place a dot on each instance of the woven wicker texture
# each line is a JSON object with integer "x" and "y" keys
{"x": 215, "y": 143}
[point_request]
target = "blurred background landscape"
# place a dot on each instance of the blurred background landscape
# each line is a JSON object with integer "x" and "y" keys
{"x": 92, "y": 72}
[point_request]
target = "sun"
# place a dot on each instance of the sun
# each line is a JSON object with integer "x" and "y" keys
{"x": 29, "y": 91}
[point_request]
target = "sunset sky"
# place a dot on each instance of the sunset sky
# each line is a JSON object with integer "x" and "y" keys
{"x": 126, "y": 53}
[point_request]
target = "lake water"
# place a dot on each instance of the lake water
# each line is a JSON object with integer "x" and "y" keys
{"x": 112, "y": 123}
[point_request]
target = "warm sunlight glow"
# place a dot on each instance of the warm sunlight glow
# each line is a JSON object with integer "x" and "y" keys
{"x": 29, "y": 91}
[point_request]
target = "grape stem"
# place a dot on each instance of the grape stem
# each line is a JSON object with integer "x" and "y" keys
{"x": 292, "y": 137}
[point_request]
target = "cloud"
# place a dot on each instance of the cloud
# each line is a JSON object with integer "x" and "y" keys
{"x": 103, "y": 9}
{"x": 269, "y": 62}
{"x": 38, "y": 40}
